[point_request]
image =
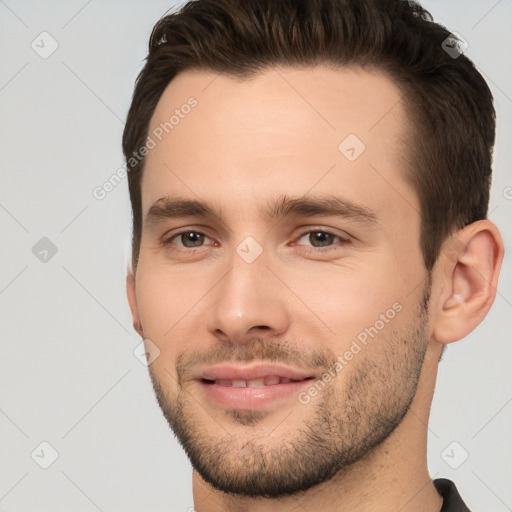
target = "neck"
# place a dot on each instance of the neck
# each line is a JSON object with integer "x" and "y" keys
{"x": 394, "y": 476}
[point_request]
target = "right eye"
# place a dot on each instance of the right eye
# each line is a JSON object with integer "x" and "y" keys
{"x": 187, "y": 239}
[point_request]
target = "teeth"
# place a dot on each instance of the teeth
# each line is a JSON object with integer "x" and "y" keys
{"x": 271, "y": 380}
{"x": 255, "y": 383}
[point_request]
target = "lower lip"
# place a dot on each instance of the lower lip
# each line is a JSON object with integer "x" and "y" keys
{"x": 252, "y": 398}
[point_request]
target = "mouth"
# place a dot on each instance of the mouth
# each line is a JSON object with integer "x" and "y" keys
{"x": 251, "y": 387}
{"x": 270, "y": 380}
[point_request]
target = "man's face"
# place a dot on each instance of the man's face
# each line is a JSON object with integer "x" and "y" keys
{"x": 271, "y": 289}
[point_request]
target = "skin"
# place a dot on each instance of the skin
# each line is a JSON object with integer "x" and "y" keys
{"x": 247, "y": 143}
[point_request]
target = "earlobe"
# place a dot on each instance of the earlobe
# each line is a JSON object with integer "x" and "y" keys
{"x": 471, "y": 276}
{"x": 132, "y": 301}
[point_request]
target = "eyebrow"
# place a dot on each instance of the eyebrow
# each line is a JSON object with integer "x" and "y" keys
{"x": 327, "y": 205}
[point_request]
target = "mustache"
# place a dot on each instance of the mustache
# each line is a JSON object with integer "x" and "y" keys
{"x": 261, "y": 350}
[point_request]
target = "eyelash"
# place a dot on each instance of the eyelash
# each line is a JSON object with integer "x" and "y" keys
{"x": 342, "y": 240}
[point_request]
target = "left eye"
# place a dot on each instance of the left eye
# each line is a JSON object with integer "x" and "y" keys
{"x": 188, "y": 239}
{"x": 319, "y": 238}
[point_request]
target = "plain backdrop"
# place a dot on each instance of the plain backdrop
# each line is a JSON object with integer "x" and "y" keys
{"x": 68, "y": 375}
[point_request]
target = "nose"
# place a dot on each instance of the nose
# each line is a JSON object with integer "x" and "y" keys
{"x": 248, "y": 302}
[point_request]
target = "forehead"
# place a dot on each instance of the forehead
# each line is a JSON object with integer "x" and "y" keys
{"x": 292, "y": 129}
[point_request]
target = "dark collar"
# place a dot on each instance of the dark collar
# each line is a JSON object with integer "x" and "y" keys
{"x": 452, "y": 502}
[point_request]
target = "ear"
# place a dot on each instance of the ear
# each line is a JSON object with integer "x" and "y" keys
{"x": 132, "y": 300}
{"x": 468, "y": 272}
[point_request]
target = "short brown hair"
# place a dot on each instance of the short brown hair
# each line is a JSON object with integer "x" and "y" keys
{"x": 448, "y": 101}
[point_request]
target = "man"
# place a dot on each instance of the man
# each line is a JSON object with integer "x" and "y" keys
{"x": 309, "y": 183}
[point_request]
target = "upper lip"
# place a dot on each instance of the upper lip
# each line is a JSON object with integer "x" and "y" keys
{"x": 252, "y": 372}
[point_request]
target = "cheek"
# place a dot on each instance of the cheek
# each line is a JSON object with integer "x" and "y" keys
{"x": 163, "y": 299}
{"x": 162, "y": 304}
{"x": 353, "y": 300}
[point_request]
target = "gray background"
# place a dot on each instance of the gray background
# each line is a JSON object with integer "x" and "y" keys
{"x": 68, "y": 375}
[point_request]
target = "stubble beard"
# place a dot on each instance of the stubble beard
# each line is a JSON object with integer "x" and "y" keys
{"x": 347, "y": 421}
